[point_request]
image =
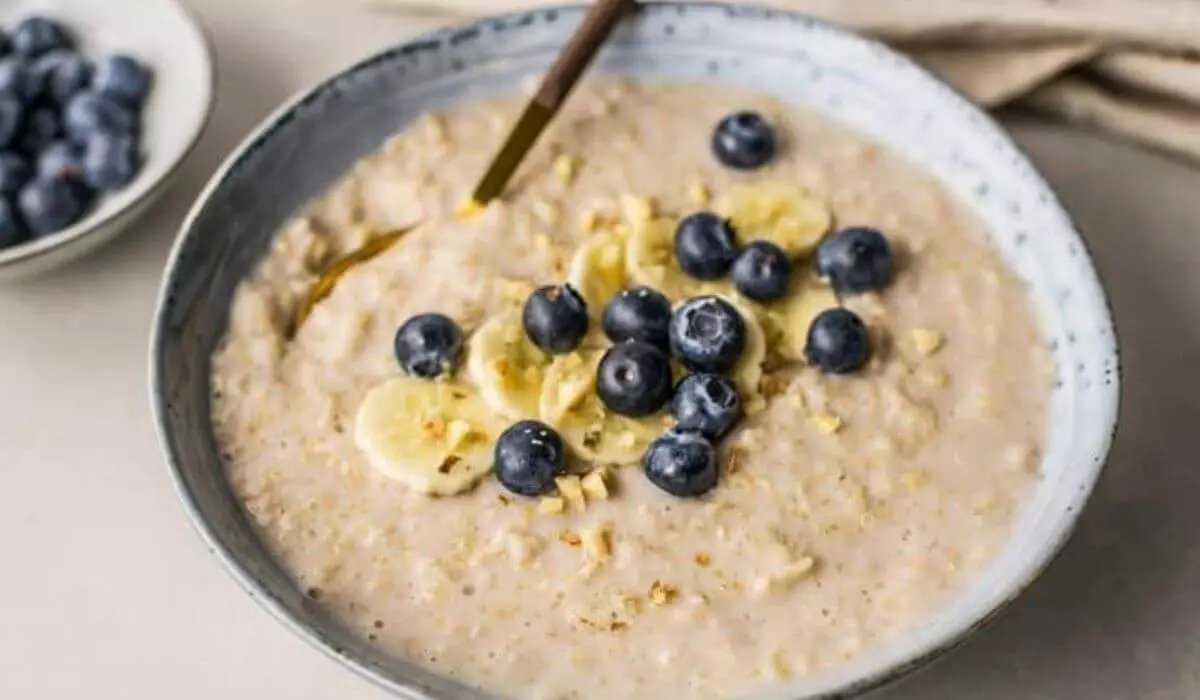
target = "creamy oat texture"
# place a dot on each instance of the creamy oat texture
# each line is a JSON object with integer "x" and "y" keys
{"x": 848, "y": 510}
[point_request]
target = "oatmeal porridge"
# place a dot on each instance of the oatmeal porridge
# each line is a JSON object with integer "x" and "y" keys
{"x": 861, "y": 423}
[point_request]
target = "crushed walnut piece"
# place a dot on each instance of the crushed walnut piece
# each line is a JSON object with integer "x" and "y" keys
{"x": 570, "y": 488}
{"x": 570, "y": 538}
{"x": 566, "y": 167}
{"x": 636, "y": 209}
{"x": 596, "y": 546}
{"x": 826, "y": 422}
{"x": 785, "y": 576}
{"x": 595, "y": 484}
{"x": 703, "y": 560}
{"x": 661, "y": 593}
{"x": 926, "y": 341}
{"x": 589, "y": 220}
{"x": 735, "y": 457}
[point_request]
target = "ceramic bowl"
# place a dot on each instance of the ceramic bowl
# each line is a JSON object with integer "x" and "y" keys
{"x": 163, "y": 35}
{"x": 309, "y": 143}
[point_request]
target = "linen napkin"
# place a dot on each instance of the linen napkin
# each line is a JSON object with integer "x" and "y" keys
{"x": 1128, "y": 67}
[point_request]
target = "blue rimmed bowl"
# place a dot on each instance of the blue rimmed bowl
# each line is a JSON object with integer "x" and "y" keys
{"x": 309, "y": 143}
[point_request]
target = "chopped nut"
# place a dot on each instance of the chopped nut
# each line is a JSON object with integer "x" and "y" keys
{"x": 551, "y": 504}
{"x": 504, "y": 500}
{"x": 435, "y": 428}
{"x": 926, "y": 341}
{"x": 827, "y": 422}
{"x": 596, "y": 546}
{"x": 568, "y": 537}
{"x": 703, "y": 560}
{"x": 566, "y": 166}
{"x": 786, "y": 576}
{"x": 636, "y": 209}
{"x": 661, "y": 593}
{"x": 915, "y": 479}
{"x": 569, "y": 486}
{"x": 546, "y": 211}
{"x": 698, "y": 194}
{"x": 594, "y": 484}
{"x": 591, "y": 438}
{"x": 735, "y": 457}
{"x": 588, "y": 221}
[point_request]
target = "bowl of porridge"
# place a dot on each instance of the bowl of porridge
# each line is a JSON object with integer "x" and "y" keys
{"x": 777, "y": 371}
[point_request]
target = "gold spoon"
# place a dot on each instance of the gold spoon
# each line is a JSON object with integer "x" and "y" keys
{"x": 557, "y": 84}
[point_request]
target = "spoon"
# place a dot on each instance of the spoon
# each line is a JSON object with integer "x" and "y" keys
{"x": 557, "y": 84}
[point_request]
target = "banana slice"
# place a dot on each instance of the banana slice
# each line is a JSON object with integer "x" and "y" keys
{"x": 595, "y": 434}
{"x": 781, "y": 213}
{"x": 747, "y": 373}
{"x": 598, "y": 269}
{"x": 507, "y": 368}
{"x": 650, "y": 261}
{"x": 789, "y": 318}
{"x": 568, "y": 380}
{"x": 435, "y": 437}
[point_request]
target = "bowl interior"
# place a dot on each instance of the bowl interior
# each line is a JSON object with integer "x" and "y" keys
{"x": 164, "y": 36}
{"x": 310, "y": 143}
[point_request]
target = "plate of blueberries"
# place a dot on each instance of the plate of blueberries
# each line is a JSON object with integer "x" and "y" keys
{"x": 99, "y": 103}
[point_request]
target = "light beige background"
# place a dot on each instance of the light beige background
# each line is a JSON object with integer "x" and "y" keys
{"x": 105, "y": 593}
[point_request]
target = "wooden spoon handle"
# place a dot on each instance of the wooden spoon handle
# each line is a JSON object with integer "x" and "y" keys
{"x": 577, "y": 54}
{"x": 562, "y": 76}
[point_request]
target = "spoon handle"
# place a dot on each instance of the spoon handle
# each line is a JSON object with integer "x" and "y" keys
{"x": 557, "y": 84}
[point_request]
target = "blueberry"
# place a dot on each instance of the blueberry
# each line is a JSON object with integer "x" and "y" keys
{"x": 555, "y": 318}
{"x": 761, "y": 271}
{"x": 18, "y": 79}
{"x": 855, "y": 259}
{"x": 110, "y": 161}
{"x": 51, "y": 205}
{"x": 12, "y": 231}
{"x": 706, "y": 403}
{"x": 529, "y": 455}
{"x": 837, "y": 342}
{"x": 427, "y": 345}
{"x": 704, "y": 245}
{"x": 639, "y": 313}
{"x": 38, "y": 35}
{"x": 12, "y": 112}
{"x": 62, "y": 74}
{"x": 61, "y": 160}
{"x": 5, "y": 44}
{"x": 88, "y": 113}
{"x": 683, "y": 464}
{"x": 743, "y": 140}
{"x": 634, "y": 379}
{"x": 42, "y": 126}
{"x": 707, "y": 334}
{"x": 123, "y": 79}
{"x": 15, "y": 171}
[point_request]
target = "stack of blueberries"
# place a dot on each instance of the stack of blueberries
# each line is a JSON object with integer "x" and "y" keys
{"x": 69, "y": 129}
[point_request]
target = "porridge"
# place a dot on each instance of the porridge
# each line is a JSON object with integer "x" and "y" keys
{"x": 838, "y": 472}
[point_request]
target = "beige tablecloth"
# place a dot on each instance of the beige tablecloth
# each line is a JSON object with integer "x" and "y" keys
{"x": 1129, "y": 67}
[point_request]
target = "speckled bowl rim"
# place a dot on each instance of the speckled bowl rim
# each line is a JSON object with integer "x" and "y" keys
{"x": 46, "y": 246}
{"x": 851, "y": 689}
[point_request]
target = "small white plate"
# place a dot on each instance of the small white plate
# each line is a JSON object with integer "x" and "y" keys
{"x": 165, "y": 37}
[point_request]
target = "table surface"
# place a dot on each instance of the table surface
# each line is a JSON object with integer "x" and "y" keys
{"x": 105, "y": 592}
